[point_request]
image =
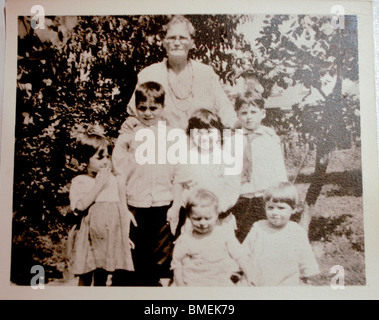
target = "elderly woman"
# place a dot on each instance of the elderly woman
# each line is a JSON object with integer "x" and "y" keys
{"x": 189, "y": 85}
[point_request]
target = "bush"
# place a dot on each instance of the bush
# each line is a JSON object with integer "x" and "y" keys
{"x": 43, "y": 244}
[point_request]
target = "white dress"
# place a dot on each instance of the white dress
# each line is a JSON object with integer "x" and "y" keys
{"x": 102, "y": 240}
{"x": 207, "y": 261}
{"x": 279, "y": 257}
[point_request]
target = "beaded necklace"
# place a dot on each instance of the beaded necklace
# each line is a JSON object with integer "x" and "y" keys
{"x": 190, "y": 92}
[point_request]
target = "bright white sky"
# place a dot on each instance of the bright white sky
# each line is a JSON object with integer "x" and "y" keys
{"x": 251, "y": 31}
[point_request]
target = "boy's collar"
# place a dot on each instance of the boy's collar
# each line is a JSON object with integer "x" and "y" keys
{"x": 141, "y": 125}
{"x": 260, "y": 130}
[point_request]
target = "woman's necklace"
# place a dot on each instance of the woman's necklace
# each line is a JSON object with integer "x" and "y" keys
{"x": 180, "y": 88}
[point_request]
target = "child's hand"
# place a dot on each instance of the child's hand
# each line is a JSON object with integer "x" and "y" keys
{"x": 173, "y": 219}
{"x": 132, "y": 219}
{"x": 129, "y": 124}
{"x": 102, "y": 176}
{"x": 132, "y": 245}
{"x": 130, "y": 216}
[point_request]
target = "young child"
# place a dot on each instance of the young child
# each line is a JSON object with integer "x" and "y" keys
{"x": 206, "y": 256}
{"x": 209, "y": 171}
{"x": 101, "y": 244}
{"x": 263, "y": 163}
{"x": 279, "y": 249}
{"x": 149, "y": 189}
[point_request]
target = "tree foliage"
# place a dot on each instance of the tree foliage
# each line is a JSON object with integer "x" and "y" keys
{"x": 70, "y": 79}
{"x": 83, "y": 76}
{"x": 307, "y": 50}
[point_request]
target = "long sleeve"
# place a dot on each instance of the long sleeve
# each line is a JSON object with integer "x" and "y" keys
{"x": 229, "y": 192}
{"x": 308, "y": 265}
{"x": 248, "y": 243}
{"x": 121, "y": 155}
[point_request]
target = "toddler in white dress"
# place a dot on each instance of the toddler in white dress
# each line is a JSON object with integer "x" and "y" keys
{"x": 206, "y": 256}
{"x": 279, "y": 249}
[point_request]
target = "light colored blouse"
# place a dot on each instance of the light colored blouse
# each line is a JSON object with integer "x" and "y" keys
{"x": 207, "y": 93}
{"x": 279, "y": 257}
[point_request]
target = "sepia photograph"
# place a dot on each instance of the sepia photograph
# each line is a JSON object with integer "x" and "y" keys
{"x": 190, "y": 149}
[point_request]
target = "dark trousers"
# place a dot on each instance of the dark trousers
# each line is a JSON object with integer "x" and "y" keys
{"x": 153, "y": 245}
{"x": 247, "y": 212}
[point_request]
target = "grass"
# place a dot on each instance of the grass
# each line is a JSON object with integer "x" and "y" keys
{"x": 336, "y": 235}
{"x": 336, "y": 230}
{"x": 39, "y": 243}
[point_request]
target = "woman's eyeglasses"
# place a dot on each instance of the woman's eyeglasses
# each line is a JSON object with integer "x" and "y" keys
{"x": 182, "y": 40}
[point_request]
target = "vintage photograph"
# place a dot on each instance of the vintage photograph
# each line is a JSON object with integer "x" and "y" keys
{"x": 96, "y": 202}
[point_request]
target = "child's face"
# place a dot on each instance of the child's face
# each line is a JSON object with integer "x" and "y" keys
{"x": 251, "y": 116}
{"x": 278, "y": 213}
{"x": 99, "y": 160}
{"x": 149, "y": 112}
{"x": 205, "y": 138}
{"x": 203, "y": 219}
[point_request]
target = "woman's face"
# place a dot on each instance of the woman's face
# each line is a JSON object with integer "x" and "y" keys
{"x": 178, "y": 41}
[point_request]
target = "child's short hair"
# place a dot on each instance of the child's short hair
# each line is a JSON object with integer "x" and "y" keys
{"x": 150, "y": 90}
{"x": 89, "y": 144}
{"x": 283, "y": 192}
{"x": 201, "y": 198}
{"x": 205, "y": 119}
{"x": 242, "y": 100}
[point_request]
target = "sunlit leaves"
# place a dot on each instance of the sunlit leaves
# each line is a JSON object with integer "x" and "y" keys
{"x": 80, "y": 74}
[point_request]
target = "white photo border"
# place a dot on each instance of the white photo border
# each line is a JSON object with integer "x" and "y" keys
{"x": 363, "y": 9}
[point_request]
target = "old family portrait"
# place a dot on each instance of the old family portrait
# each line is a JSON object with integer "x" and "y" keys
{"x": 188, "y": 150}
